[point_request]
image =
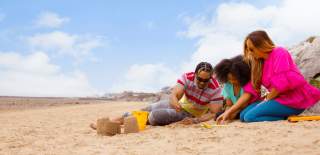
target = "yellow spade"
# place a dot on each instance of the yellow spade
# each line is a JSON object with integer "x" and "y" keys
{"x": 142, "y": 117}
{"x": 208, "y": 126}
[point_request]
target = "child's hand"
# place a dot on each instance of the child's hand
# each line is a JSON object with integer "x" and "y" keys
{"x": 223, "y": 118}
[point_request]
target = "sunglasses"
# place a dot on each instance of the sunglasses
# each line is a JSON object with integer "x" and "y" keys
{"x": 202, "y": 80}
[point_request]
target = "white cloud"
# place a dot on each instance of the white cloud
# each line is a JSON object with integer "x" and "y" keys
{"x": 212, "y": 49}
{"x": 37, "y": 63}
{"x": 220, "y": 34}
{"x": 34, "y": 75}
{"x": 76, "y": 46}
{"x": 51, "y": 20}
{"x": 295, "y": 21}
{"x": 146, "y": 77}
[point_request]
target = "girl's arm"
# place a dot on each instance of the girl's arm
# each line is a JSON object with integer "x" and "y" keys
{"x": 239, "y": 105}
{"x": 228, "y": 104}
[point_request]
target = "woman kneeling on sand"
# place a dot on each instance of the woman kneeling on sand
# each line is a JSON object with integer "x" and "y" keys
{"x": 272, "y": 67}
{"x": 195, "y": 98}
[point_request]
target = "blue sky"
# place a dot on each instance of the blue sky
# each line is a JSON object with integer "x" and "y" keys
{"x": 78, "y": 48}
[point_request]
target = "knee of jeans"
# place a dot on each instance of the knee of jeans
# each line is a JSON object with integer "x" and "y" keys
{"x": 249, "y": 118}
{"x": 242, "y": 116}
{"x": 151, "y": 119}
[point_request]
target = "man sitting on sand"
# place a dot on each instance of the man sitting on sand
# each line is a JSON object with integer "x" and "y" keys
{"x": 196, "y": 98}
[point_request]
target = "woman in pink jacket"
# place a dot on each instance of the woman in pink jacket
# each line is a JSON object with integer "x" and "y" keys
{"x": 272, "y": 67}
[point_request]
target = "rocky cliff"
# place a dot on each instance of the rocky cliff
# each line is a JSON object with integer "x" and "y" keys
{"x": 307, "y": 56}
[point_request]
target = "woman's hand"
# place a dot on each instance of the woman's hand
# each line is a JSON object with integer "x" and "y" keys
{"x": 272, "y": 95}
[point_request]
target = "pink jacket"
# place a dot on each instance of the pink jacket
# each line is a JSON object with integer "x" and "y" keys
{"x": 280, "y": 72}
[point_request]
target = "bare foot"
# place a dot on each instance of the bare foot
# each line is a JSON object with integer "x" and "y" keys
{"x": 93, "y": 126}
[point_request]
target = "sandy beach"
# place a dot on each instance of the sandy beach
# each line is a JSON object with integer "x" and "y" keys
{"x": 65, "y": 130}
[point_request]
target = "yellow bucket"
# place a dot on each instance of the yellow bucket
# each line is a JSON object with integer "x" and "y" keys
{"x": 142, "y": 117}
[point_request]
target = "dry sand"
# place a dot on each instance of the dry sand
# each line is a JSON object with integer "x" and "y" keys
{"x": 65, "y": 130}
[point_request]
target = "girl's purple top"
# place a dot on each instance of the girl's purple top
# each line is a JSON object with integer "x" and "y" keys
{"x": 280, "y": 72}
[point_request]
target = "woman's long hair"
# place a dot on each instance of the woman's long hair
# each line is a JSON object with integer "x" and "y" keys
{"x": 263, "y": 43}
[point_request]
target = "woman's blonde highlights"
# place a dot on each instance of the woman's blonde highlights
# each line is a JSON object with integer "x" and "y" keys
{"x": 263, "y": 43}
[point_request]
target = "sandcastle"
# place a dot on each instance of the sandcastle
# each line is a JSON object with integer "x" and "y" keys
{"x": 107, "y": 128}
{"x": 132, "y": 124}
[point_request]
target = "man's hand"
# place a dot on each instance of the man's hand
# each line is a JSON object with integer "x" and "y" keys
{"x": 188, "y": 121}
{"x": 176, "y": 106}
{"x": 175, "y": 96}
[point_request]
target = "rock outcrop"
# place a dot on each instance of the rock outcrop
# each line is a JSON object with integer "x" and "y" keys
{"x": 307, "y": 56}
{"x": 139, "y": 96}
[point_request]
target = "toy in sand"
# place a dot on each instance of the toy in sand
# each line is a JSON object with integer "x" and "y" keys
{"x": 303, "y": 118}
{"x": 209, "y": 126}
{"x": 137, "y": 122}
{"x": 142, "y": 118}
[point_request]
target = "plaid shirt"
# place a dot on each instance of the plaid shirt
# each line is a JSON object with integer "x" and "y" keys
{"x": 200, "y": 96}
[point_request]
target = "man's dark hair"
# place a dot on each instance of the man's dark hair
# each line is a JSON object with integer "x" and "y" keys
{"x": 204, "y": 66}
{"x": 236, "y": 66}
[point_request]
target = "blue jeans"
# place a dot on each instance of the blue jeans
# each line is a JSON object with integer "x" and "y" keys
{"x": 161, "y": 113}
{"x": 267, "y": 111}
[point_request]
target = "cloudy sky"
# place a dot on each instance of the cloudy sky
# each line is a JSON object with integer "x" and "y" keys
{"x": 76, "y": 48}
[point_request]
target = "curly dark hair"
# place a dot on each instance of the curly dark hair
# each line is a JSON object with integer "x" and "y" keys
{"x": 236, "y": 66}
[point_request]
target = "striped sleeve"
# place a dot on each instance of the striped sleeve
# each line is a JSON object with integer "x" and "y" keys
{"x": 182, "y": 80}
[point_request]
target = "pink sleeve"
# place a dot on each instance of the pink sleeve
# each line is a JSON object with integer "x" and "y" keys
{"x": 285, "y": 75}
{"x": 248, "y": 88}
